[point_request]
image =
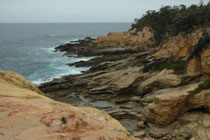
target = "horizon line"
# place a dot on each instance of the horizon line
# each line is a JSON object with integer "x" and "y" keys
{"x": 55, "y": 22}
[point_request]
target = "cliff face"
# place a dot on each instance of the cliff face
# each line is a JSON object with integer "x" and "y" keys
{"x": 182, "y": 46}
{"x": 26, "y": 114}
{"x": 200, "y": 64}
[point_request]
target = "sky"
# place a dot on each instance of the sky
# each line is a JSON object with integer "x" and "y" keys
{"x": 58, "y": 11}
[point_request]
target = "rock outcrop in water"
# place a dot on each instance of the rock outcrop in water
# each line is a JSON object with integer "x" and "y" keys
{"x": 26, "y": 114}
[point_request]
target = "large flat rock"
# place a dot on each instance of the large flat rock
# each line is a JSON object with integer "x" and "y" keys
{"x": 26, "y": 114}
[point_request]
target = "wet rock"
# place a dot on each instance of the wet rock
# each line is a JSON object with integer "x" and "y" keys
{"x": 130, "y": 124}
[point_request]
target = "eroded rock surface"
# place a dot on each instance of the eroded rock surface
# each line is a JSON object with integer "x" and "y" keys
{"x": 163, "y": 79}
{"x": 26, "y": 114}
{"x": 165, "y": 114}
{"x": 128, "y": 76}
{"x": 182, "y": 45}
{"x": 142, "y": 40}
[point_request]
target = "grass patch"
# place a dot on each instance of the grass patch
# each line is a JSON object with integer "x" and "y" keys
{"x": 179, "y": 65}
{"x": 81, "y": 92}
{"x": 203, "y": 86}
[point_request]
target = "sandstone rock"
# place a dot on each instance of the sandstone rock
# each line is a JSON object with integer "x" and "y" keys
{"x": 140, "y": 41}
{"x": 18, "y": 85}
{"x": 200, "y": 64}
{"x": 180, "y": 45}
{"x": 188, "y": 126}
{"x": 164, "y": 79}
{"x": 116, "y": 81}
{"x": 141, "y": 124}
{"x": 148, "y": 139}
{"x": 139, "y": 134}
{"x": 168, "y": 106}
{"x": 26, "y": 114}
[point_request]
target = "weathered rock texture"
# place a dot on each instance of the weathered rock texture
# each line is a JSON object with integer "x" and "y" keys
{"x": 130, "y": 77}
{"x": 200, "y": 64}
{"x": 141, "y": 40}
{"x": 164, "y": 79}
{"x": 26, "y": 114}
{"x": 182, "y": 46}
{"x": 164, "y": 113}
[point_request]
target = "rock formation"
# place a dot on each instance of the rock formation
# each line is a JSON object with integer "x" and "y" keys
{"x": 142, "y": 40}
{"x": 148, "y": 100}
{"x": 165, "y": 114}
{"x": 182, "y": 46}
{"x": 26, "y": 114}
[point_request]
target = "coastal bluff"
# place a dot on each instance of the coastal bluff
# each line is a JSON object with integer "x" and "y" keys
{"x": 25, "y": 113}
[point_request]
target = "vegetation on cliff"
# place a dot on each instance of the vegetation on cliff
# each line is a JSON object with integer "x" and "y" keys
{"x": 202, "y": 44}
{"x": 203, "y": 86}
{"x": 178, "y": 65}
{"x": 169, "y": 21}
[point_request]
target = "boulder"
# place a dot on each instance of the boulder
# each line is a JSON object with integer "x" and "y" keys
{"x": 166, "y": 107}
{"x": 163, "y": 79}
{"x": 174, "y": 114}
{"x": 26, "y": 114}
{"x": 116, "y": 81}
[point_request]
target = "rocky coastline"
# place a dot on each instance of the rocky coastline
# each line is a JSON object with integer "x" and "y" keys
{"x": 128, "y": 80}
{"x": 149, "y": 83}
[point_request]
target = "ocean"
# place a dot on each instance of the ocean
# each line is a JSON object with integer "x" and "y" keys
{"x": 28, "y": 48}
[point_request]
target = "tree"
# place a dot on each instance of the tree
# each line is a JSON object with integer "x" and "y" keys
{"x": 170, "y": 21}
{"x": 208, "y": 4}
{"x": 201, "y": 3}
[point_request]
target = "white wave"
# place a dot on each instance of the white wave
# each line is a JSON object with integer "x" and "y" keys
{"x": 66, "y": 71}
{"x": 49, "y": 50}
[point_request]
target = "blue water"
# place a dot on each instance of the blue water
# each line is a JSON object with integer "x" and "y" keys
{"x": 28, "y": 48}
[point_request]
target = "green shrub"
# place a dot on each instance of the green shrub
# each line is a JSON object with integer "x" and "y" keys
{"x": 203, "y": 86}
{"x": 179, "y": 65}
{"x": 169, "y": 21}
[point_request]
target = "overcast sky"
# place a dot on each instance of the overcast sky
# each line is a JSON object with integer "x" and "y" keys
{"x": 46, "y": 11}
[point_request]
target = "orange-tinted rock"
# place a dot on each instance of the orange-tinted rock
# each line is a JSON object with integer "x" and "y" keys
{"x": 26, "y": 114}
{"x": 200, "y": 64}
{"x": 180, "y": 45}
{"x": 140, "y": 40}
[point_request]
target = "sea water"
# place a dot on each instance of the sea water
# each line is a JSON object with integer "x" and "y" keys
{"x": 28, "y": 49}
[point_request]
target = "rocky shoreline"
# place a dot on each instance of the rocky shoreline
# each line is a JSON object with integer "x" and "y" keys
{"x": 127, "y": 81}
